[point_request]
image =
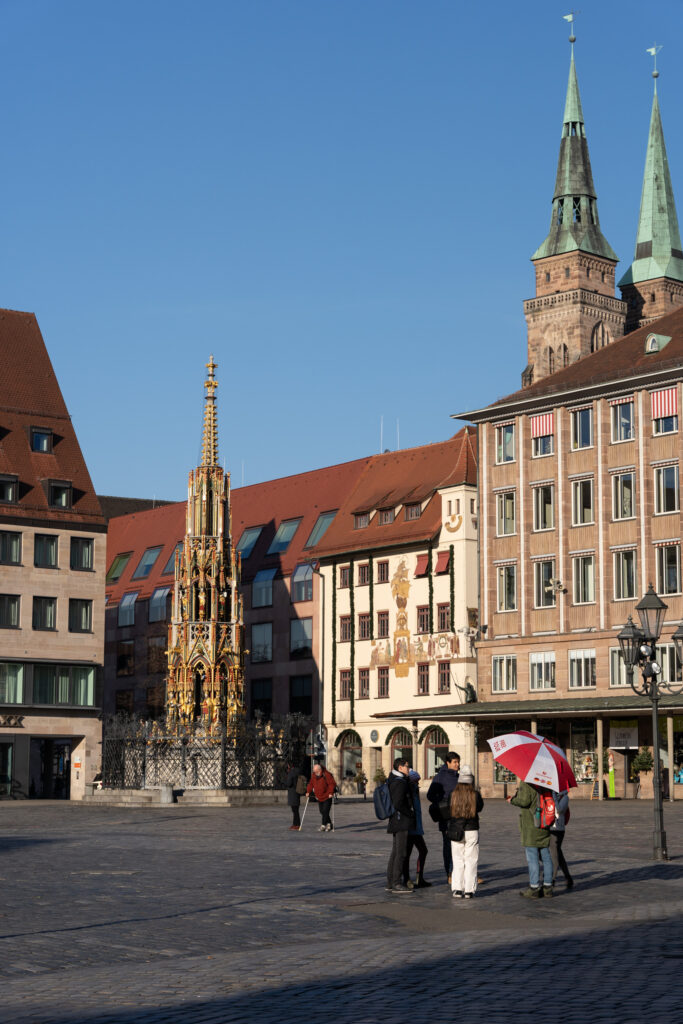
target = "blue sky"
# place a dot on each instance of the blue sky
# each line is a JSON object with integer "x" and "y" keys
{"x": 338, "y": 198}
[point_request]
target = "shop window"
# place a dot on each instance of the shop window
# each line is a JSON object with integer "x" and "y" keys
{"x": 351, "y": 754}
{"x": 582, "y": 755}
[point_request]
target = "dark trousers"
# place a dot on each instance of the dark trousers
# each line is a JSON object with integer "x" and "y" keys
{"x": 447, "y": 854}
{"x": 415, "y": 843}
{"x": 397, "y": 859}
{"x": 325, "y": 806}
{"x": 296, "y": 820}
{"x": 557, "y": 856}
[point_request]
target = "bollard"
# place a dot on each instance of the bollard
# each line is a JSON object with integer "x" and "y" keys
{"x": 166, "y": 793}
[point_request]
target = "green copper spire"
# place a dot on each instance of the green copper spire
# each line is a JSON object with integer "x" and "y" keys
{"x": 658, "y": 243}
{"x": 574, "y": 221}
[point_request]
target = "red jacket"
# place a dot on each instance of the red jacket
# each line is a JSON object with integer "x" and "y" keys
{"x": 323, "y": 786}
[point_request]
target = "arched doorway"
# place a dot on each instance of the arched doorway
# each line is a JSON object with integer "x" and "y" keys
{"x": 436, "y": 745}
{"x": 401, "y": 744}
{"x": 350, "y": 754}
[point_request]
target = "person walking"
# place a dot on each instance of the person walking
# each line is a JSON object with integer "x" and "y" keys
{"x": 535, "y": 840}
{"x": 443, "y": 784}
{"x": 557, "y": 832}
{"x": 462, "y": 828}
{"x": 322, "y": 785}
{"x": 416, "y": 838}
{"x": 293, "y": 795}
{"x": 401, "y": 822}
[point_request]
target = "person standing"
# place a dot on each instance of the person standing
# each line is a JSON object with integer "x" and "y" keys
{"x": 293, "y": 795}
{"x": 322, "y": 785}
{"x": 401, "y": 822}
{"x": 416, "y": 837}
{"x": 463, "y": 830}
{"x": 535, "y": 840}
{"x": 557, "y": 832}
{"x": 443, "y": 784}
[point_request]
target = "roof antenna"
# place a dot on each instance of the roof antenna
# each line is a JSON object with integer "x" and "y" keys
{"x": 653, "y": 51}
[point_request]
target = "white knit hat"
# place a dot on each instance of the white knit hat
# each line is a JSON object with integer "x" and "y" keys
{"x": 466, "y": 774}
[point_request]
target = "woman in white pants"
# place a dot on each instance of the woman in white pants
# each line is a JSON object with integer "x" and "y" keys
{"x": 463, "y": 830}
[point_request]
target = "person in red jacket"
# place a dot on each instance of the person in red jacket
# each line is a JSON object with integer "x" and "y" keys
{"x": 323, "y": 785}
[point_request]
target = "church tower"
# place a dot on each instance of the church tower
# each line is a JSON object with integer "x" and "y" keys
{"x": 653, "y": 284}
{"x": 575, "y": 310}
{"x": 205, "y": 683}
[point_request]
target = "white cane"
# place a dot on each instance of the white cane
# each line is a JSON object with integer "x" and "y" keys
{"x": 301, "y": 825}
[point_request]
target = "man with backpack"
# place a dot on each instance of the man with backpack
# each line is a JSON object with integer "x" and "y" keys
{"x": 322, "y": 785}
{"x": 535, "y": 839}
{"x": 401, "y": 823}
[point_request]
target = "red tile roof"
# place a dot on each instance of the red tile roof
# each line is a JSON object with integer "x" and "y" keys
{"x": 30, "y": 397}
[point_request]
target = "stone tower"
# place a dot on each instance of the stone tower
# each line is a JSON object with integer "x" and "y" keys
{"x": 205, "y": 683}
{"x": 575, "y": 310}
{"x": 653, "y": 284}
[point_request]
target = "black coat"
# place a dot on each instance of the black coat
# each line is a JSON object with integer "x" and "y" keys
{"x": 466, "y": 824}
{"x": 403, "y": 818}
{"x": 443, "y": 784}
{"x": 293, "y": 798}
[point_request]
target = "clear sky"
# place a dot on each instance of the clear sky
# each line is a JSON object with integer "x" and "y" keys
{"x": 338, "y": 198}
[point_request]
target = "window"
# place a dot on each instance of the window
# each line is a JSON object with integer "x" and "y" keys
{"x": 623, "y": 422}
{"x": 321, "y": 525}
{"x": 623, "y": 496}
{"x": 544, "y": 511}
{"x": 83, "y": 685}
{"x": 301, "y": 638}
{"x": 665, "y": 410}
{"x": 584, "y": 579}
{"x": 247, "y": 541}
{"x": 382, "y": 572}
{"x": 60, "y": 494}
{"x": 10, "y": 547}
{"x": 383, "y": 681}
{"x": 423, "y": 619}
{"x": 344, "y": 684}
{"x": 283, "y": 537}
{"x": 262, "y": 696}
{"x": 156, "y": 654}
{"x": 344, "y": 576}
{"x": 45, "y": 546}
{"x": 127, "y": 610}
{"x": 436, "y": 746}
{"x": 542, "y": 671}
{"x": 666, "y": 490}
{"x": 582, "y": 502}
{"x": 146, "y": 563}
{"x": 505, "y": 443}
{"x": 361, "y": 520}
{"x": 382, "y": 625}
{"x": 669, "y": 569}
{"x": 443, "y": 617}
{"x": 665, "y": 425}
{"x": 423, "y": 680}
{"x": 582, "y": 428}
{"x": 421, "y": 565}
{"x": 170, "y": 565}
{"x": 301, "y": 695}
{"x": 261, "y": 642}
{"x": 125, "y": 657}
{"x": 505, "y": 505}
{"x": 41, "y": 439}
{"x": 302, "y": 583}
{"x": 45, "y": 613}
{"x": 386, "y": 516}
{"x": 80, "y": 615}
{"x": 363, "y": 683}
{"x": 262, "y": 588}
{"x": 9, "y": 611}
{"x": 624, "y": 575}
{"x": 504, "y": 673}
{"x": 82, "y": 554}
{"x": 363, "y": 575}
{"x": 544, "y": 587}
{"x": 617, "y": 668}
{"x": 413, "y": 511}
{"x": 542, "y": 446}
{"x": 11, "y": 682}
{"x": 50, "y": 684}
{"x": 364, "y": 626}
{"x": 344, "y": 628}
{"x": 582, "y": 672}
{"x": 117, "y": 566}
{"x": 9, "y": 489}
{"x": 507, "y": 588}
{"x": 669, "y": 663}
{"x": 157, "y": 604}
{"x": 444, "y": 668}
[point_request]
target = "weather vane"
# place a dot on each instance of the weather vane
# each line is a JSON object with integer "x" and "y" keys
{"x": 570, "y": 18}
{"x": 653, "y": 51}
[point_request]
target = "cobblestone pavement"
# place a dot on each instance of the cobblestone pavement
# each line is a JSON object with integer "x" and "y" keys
{"x": 216, "y": 915}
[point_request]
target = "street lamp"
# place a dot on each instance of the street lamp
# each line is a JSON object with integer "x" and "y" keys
{"x": 638, "y": 649}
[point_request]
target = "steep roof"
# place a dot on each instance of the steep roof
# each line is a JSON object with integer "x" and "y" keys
{"x": 409, "y": 476}
{"x": 30, "y": 396}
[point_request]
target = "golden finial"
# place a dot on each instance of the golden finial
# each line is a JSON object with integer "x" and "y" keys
{"x": 210, "y": 436}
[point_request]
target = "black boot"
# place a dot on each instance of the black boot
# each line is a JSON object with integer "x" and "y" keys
{"x": 421, "y": 883}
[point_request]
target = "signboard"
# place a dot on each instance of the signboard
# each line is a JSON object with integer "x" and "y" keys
{"x": 623, "y": 734}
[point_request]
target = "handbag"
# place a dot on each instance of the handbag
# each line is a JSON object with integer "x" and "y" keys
{"x": 455, "y": 830}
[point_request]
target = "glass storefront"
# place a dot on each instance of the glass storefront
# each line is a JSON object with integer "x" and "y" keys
{"x": 582, "y": 752}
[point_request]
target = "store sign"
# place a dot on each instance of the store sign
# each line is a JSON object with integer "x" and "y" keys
{"x": 623, "y": 735}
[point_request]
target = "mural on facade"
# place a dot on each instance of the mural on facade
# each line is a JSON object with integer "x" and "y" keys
{"x": 407, "y": 651}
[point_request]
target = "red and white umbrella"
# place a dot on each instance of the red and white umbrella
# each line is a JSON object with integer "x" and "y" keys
{"x": 533, "y": 759}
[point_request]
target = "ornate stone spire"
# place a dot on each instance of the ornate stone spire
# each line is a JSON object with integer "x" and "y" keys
{"x": 210, "y": 435}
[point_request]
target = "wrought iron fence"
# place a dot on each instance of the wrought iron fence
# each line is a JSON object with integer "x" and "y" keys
{"x": 139, "y": 754}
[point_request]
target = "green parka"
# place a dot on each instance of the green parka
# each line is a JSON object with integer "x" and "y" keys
{"x": 526, "y": 798}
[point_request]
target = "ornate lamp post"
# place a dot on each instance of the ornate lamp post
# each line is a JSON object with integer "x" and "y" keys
{"x": 638, "y": 650}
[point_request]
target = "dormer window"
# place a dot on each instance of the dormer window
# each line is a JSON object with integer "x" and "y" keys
{"x": 361, "y": 520}
{"x": 41, "y": 439}
{"x": 413, "y": 511}
{"x": 60, "y": 493}
{"x": 386, "y": 516}
{"x": 656, "y": 342}
{"x": 9, "y": 486}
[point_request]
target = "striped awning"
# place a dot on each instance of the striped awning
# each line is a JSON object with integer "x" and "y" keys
{"x": 543, "y": 425}
{"x": 621, "y": 401}
{"x": 664, "y": 403}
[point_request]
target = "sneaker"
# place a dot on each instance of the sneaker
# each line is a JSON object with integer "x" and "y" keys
{"x": 328, "y": 828}
{"x": 294, "y": 828}
{"x": 457, "y": 894}
{"x": 469, "y": 895}
{"x": 401, "y": 889}
{"x": 532, "y": 894}
{"x": 547, "y": 892}
{"x": 322, "y": 829}
{"x": 410, "y": 884}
